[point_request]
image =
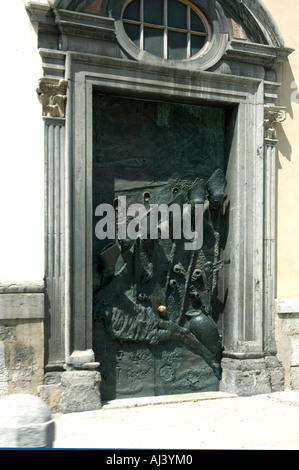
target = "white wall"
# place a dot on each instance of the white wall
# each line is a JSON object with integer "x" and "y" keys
{"x": 286, "y": 15}
{"x": 21, "y": 149}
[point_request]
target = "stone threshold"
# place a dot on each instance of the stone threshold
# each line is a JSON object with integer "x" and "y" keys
{"x": 164, "y": 400}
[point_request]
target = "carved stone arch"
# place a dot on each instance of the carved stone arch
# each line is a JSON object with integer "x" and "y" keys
{"x": 257, "y": 22}
{"x": 72, "y": 5}
{"x": 251, "y": 15}
{"x": 240, "y": 31}
{"x": 100, "y": 7}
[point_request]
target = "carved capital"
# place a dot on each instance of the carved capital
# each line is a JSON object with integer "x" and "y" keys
{"x": 52, "y": 95}
{"x": 273, "y": 115}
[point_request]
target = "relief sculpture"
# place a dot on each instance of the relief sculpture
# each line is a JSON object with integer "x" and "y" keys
{"x": 157, "y": 296}
{"x": 154, "y": 292}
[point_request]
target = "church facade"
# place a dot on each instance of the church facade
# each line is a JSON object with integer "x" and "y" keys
{"x": 173, "y": 103}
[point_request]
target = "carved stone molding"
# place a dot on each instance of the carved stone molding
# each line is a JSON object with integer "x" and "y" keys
{"x": 273, "y": 115}
{"x": 52, "y": 95}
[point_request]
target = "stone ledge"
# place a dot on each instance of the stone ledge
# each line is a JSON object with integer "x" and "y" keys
{"x": 21, "y": 306}
{"x": 287, "y": 306}
{"x": 24, "y": 287}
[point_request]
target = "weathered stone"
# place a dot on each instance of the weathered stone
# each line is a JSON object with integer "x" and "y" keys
{"x": 291, "y": 323}
{"x": 276, "y": 372}
{"x": 83, "y": 360}
{"x": 52, "y": 378}
{"x": 294, "y": 342}
{"x": 51, "y": 395}
{"x": 295, "y": 378}
{"x": 20, "y": 305}
{"x": 21, "y": 356}
{"x": 26, "y": 422}
{"x": 80, "y": 391}
{"x": 245, "y": 376}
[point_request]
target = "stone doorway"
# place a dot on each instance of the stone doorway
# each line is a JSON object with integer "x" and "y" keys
{"x": 156, "y": 306}
{"x": 85, "y": 54}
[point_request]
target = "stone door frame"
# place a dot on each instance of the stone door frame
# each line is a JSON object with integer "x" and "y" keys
{"x": 244, "y": 275}
{"x": 73, "y": 69}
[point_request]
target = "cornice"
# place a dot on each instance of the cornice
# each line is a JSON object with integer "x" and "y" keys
{"x": 56, "y": 25}
{"x": 258, "y": 54}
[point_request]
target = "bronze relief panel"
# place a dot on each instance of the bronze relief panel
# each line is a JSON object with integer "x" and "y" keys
{"x": 155, "y": 302}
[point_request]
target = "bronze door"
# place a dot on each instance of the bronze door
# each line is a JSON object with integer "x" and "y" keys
{"x": 155, "y": 302}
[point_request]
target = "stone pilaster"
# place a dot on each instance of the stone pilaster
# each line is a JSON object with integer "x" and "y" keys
{"x": 247, "y": 373}
{"x": 52, "y": 95}
{"x": 273, "y": 117}
{"x": 71, "y": 382}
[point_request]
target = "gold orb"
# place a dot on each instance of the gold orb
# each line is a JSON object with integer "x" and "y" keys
{"x": 162, "y": 309}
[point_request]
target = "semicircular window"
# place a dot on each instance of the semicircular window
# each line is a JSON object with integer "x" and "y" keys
{"x": 170, "y": 29}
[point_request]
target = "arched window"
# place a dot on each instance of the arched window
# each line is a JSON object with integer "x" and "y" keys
{"x": 170, "y": 29}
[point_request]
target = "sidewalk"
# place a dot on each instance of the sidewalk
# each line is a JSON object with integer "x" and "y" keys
{"x": 213, "y": 420}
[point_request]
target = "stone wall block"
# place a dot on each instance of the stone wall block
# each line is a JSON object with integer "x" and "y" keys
{"x": 295, "y": 378}
{"x": 246, "y": 377}
{"x": 80, "y": 391}
{"x": 294, "y": 342}
{"x": 51, "y": 394}
{"x": 276, "y": 371}
{"x": 291, "y": 324}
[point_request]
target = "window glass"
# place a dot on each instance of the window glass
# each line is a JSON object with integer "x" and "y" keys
{"x": 177, "y": 45}
{"x": 154, "y": 12}
{"x": 132, "y": 12}
{"x": 133, "y": 32}
{"x": 196, "y": 23}
{"x": 197, "y": 43}
{"x": 170, "y": 29}
{"x": 177, "y": 14}
{"x": 153, "y": 41}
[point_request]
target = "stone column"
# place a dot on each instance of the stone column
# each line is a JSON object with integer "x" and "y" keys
{"x": 52, "y": 95}
{"x": 273, "y": 117}
{"x": 250, "y": 364}
{"x": 70, "y": 374}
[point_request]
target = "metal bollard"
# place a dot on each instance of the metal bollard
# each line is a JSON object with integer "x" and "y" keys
{"x": 25, "y": 422}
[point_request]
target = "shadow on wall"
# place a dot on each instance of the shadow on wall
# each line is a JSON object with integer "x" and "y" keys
{"x": 288, "y": 96}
